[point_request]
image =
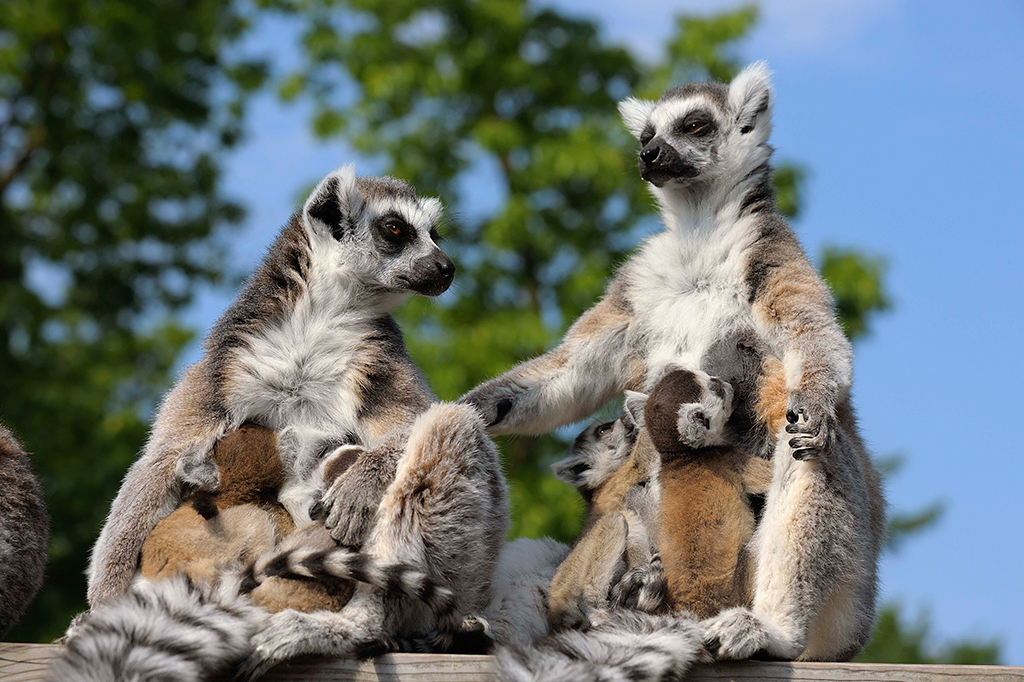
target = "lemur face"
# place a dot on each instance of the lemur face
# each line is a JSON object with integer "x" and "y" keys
{"x": 601, "y": 448}
{"x": 379, "y": 230}
{"x": 699, "y": 131}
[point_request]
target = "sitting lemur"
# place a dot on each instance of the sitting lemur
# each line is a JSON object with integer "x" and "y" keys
{"x": 309, "y": 345}
{"x": 727, "y": 289}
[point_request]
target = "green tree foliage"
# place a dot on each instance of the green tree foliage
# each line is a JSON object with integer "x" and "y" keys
{"x": 896, "y": 640}
{"x": 112, "y": 116}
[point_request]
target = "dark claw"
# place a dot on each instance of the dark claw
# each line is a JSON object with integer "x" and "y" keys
{"x": 317, "y": 510}
{"x": 713, "y": 645}
{"x": 802, "y": 454}
{"x": 792, "y": 428}
{"x": 502, "y": 409}
{"x": 792, "y": 416}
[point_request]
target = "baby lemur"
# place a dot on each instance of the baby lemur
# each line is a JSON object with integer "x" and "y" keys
{"x": 24, "y": 531}
{"x": 643, "y": 548}
{"x": 618, "y": 479}
{"x": 727, "y": 289}
{"x": 231, "y": 528}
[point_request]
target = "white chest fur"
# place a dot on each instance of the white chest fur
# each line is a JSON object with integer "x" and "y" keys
{"x": 689, "y": 290}
{"x": 304, "y": 370}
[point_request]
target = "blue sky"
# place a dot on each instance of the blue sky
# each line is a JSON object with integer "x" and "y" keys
{"x": 909, "y": 116}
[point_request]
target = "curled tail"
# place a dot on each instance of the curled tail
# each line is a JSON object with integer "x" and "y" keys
{"x": 166, "y": 630}
{"x": 629, "y": 646}
{"x": 346, "y": 564}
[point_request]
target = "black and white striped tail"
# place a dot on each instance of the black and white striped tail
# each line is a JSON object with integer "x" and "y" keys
{"x": 346, "y": 564}
{"x": 166, "y": 630}
{"x": 629, "y": 647}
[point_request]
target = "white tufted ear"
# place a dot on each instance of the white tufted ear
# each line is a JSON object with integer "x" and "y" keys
{"x": 335, "y": 203}
{"x": 750, "y": 95}
{"x": 635, "y": 113}
{"x": 633, "y": 409}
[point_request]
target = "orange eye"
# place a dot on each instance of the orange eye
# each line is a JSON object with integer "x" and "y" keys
{"x": 394, "y": 227}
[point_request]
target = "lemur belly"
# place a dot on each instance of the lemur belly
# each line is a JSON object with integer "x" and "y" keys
{"x": 303, "y": 372}
{"x": 693, "y": 293}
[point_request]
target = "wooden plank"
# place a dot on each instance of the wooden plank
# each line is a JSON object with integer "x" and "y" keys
{"x": 853, "y": 672}
{"x": 29, "y": 663}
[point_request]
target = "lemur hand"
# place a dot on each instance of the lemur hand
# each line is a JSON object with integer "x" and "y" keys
{"x": 351, "y": 501}
{"x": 814, "y": 426}
{"x": 702, "y": 423}
{"x": 641, "y": 587}
{"x": 493, "y": 400}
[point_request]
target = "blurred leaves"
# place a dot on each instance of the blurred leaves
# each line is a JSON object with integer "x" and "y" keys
{"x": 895, "y": 640}
{"x": 113, "y": 115}
{"x": 858, "y": 285}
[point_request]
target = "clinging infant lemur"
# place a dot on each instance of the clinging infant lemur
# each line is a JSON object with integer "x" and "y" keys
{"x": 668, "y": 518}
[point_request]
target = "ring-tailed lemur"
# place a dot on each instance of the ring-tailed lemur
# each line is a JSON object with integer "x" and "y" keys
{"x": 211, "y": 533}
{"x": 707, "y": 519}
{"x": 309, "y": 344}
{"x": 683, "y": 485}
{"x": 726, "y": 288}
{"x": 24, "y": 532}
{"x": 615, "y": 562}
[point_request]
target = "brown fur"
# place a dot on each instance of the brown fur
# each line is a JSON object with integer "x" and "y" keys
{"x": 706, "y": 522}
{"x": 211, "y": 532}
{"x": 24, "y": 531}
{"x": 587, "y": 573}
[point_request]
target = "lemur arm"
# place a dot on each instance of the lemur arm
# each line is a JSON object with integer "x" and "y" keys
{"x": 183, "y": 434}
{"x": 792, "y": 302}
{"x": 569, "y": 382}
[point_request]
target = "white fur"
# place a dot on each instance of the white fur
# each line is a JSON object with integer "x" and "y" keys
{"x": 517, "y": 612}
{"x": 690, "y": 292}
{"x": 634, "y": 114}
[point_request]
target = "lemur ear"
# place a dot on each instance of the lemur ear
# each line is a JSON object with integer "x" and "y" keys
{"x": 335, "y": 203}
{"x": 750, "y": 95}
{"x": 633, "y": 409}
{"x": 634, "y": 113}
{"x": 570, "y": 470}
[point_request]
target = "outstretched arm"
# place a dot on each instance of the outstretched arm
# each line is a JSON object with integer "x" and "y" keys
{"x": 566, "y": 384}
{"x": 794, "y": 305}
{"x": 183, "y": 434}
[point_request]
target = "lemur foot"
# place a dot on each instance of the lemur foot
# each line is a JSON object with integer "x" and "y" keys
{"x": 813, "y": 424}
{"x": 738, "y": 634}
{"x": 285, "y": 635}
{"x": 350, "y": 503}
{"x": 641, "y": 587}
{"x": 702, "y": 423}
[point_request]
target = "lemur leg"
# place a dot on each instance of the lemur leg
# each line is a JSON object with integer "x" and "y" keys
{"x": 643, "y": 585}
{"x": 446, "y": 511}
{"x": 177, "y": 453}
{"x": 808, "y": 552}
{"x": 291, "y": 633}
{"x": 566, "y": 384}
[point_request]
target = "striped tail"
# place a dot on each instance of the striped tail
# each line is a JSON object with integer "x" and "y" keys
{"x": 629, "y": 647}
{"x": 346, "y": 564}
{"x": 166, "y": 630}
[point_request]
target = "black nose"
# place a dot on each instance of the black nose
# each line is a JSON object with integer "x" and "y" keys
{"x": 649, "y": 154}
{"x": 446, "y": 269}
